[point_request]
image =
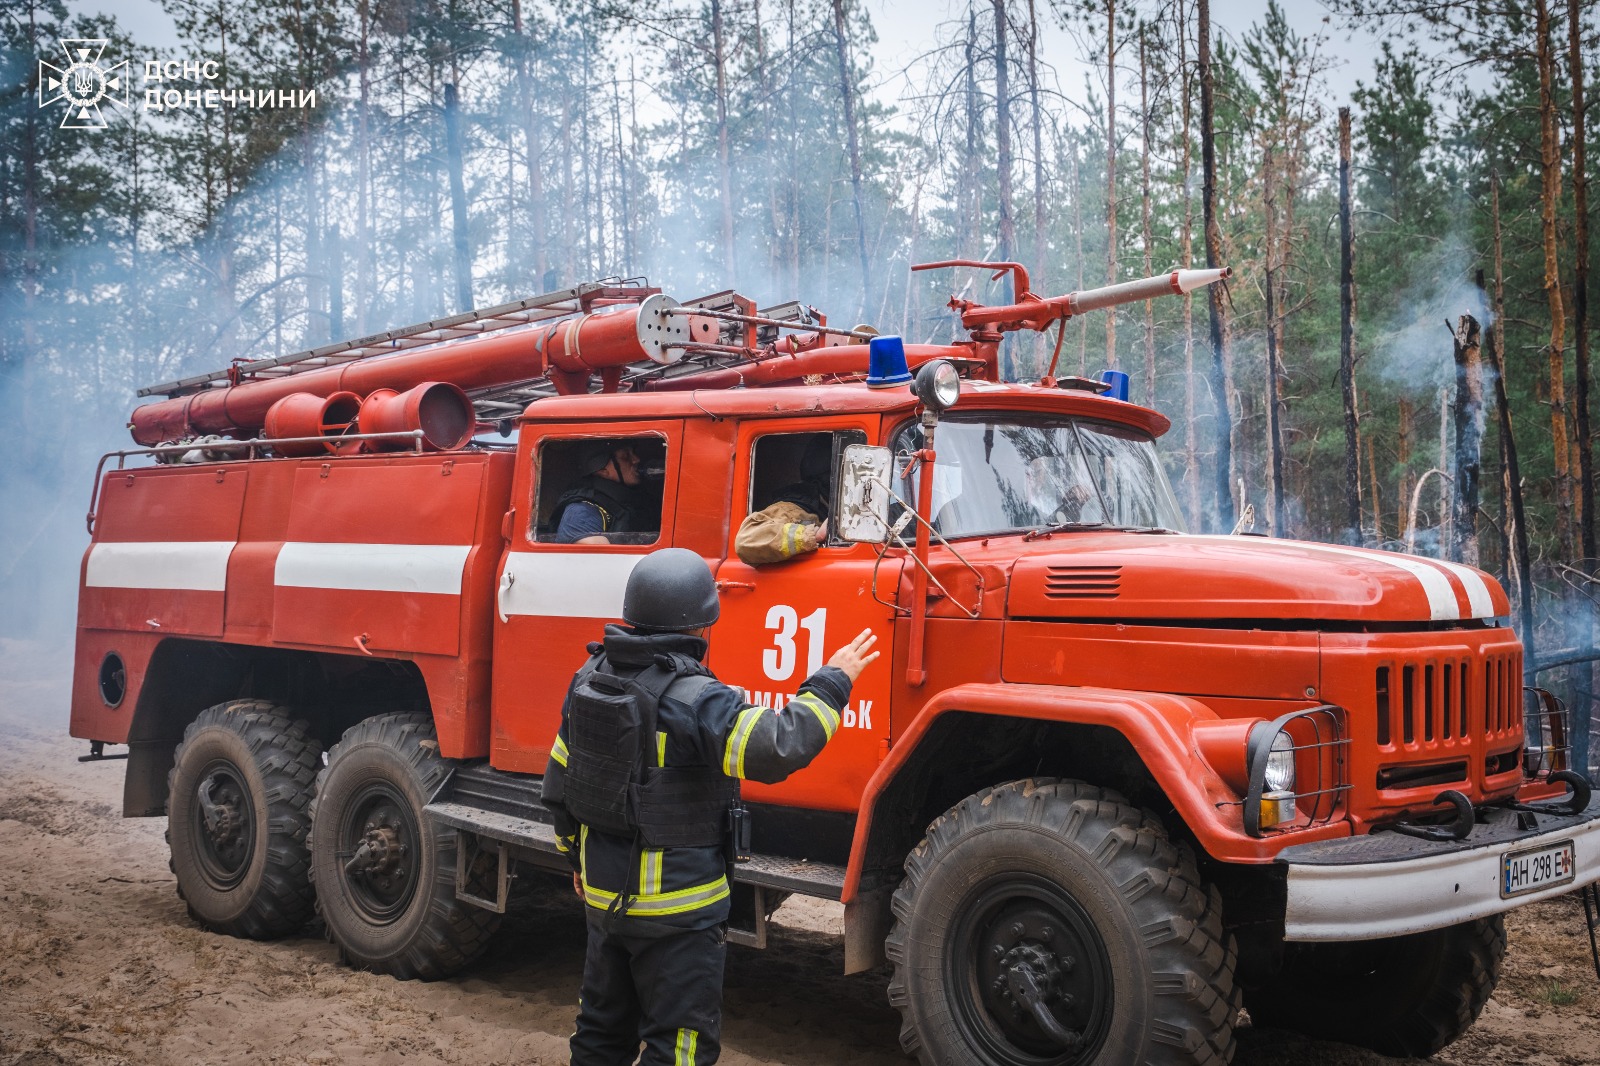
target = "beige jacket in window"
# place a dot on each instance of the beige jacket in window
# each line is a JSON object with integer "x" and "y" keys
{"x": 776, "y": 534}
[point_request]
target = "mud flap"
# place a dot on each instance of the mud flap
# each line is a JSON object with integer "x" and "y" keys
{"x": 867, "y": 919}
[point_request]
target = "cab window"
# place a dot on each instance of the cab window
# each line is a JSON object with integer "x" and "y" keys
{"x": 798, "y": 468}
{"x": 600, "y": 490}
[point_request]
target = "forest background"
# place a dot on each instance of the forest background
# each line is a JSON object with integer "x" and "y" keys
{"x": 1402, "y": 358}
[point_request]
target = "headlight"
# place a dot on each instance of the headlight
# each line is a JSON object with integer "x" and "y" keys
{"x": 1280, "y": 764}
{"x": 938, "y": 385}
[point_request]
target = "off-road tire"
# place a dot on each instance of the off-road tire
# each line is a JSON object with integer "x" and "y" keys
{"x": 261, "y": 762}
{"x": 1132, "y": 899}
{"x": 1406, "y": 996}
{"x": 409, "y": 926}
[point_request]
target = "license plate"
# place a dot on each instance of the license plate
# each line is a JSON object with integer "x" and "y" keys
{"x": 1536, "y": 868}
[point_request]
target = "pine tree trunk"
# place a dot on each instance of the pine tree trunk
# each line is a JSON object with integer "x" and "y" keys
{"x": 1221, "y": 386}
{"x": 1377, "y": 498}
{"x": 1549, "y": 204}
{"x": 1580, "y": 325}
{"x": 1003, "y": 161}
{"x": 792, "y": 188}
{"x": 1469, "y": 438}
{"x": 1521, "y": 569}
{"x": 1191, "y": 441}
{"x": 847, "y": 96}
{"x": 1447, "y": 510}
{"x": 1403, "y": 460}
{"x": 970, "y": 241}
{"x": 458, "y": 199}
{"x": 1037, "y": 115}
{"x": 1077, "y": 232}
{"x": 1275, "y": 515}
{"x": 364, "y": 260}
{"x": 1111, "y": 176}
{"x": 1580, "y": 293}
{"x": 530, "y": 136}
{"x": 1347, "y": 346}
{"x": 335, "y": 283}
{"x": 1144, "y": 181}
{"x": 719, "y": 61}
{"x": 315, "y": 321}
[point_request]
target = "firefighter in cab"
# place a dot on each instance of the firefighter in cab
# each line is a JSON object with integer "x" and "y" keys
{"x": 643, "y": 784}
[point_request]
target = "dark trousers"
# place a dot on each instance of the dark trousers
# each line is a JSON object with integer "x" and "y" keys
{"x": 665, "y": 992}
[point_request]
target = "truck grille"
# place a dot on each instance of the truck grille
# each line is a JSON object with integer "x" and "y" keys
{"x": 1440, "y": 710}
{"x": 1083, "y": 582}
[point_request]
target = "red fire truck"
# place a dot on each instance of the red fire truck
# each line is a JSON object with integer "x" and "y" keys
{"x": 1110, "y": 782}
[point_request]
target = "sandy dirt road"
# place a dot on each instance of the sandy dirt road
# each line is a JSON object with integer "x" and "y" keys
{"x": 99, "y": 963}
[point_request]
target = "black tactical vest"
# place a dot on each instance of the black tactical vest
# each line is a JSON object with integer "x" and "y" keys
{"x": 622, "y": 507}
{"x": 613, "y": 782}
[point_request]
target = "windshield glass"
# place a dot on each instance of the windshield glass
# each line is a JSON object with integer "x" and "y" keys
{"x": 1003, "y": 473}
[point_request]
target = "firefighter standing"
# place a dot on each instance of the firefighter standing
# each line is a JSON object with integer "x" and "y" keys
{"x": 644, "y": 787}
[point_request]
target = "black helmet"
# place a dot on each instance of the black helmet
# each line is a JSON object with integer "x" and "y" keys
{"x": 593, "y": 455}
{"x": 670, "y": 590}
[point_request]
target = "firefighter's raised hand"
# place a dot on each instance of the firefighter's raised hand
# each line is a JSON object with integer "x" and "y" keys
{"x": 857, "y": 655}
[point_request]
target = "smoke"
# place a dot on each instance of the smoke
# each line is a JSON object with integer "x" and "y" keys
{"x": 1413, "y": 344}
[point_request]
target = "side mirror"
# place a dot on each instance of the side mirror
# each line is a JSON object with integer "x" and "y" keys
{"x": 863, "y": 511}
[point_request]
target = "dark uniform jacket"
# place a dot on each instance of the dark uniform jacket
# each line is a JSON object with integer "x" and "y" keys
{"x": 700, "y": 722}
{"x": 599, "y": 505}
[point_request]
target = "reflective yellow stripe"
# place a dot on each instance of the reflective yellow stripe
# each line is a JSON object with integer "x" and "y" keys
{"x": 650, "y": 871}
{"x": 564, "y": 844}
{"x": 558, "y": 753}
{"x": 733, "y": 754}
{"x": 819, "y": 707}
{"x": 791, "y": 540}
{"x": 660, "y": 904}
{"x": 661, "y": 749}
{"x": 684, "y": 1052}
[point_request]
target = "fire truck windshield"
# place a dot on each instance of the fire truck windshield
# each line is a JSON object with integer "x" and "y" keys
{"x": 1004, "y": 473}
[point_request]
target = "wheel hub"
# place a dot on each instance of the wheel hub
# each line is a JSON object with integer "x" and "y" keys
{"x": 220, "y": 804}
{"x": 224, "y": 825}
{"x": 1040, "y": 982}
{"x": 380, "y": 854}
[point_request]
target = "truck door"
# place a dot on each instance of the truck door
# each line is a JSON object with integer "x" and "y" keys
{"x": 782, "y": 621}
{"x": 553, "y": 598}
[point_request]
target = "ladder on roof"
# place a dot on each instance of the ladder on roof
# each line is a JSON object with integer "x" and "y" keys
{"x": 474, "y": 323}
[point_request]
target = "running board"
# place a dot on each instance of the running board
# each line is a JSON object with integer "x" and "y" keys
{"x": 503, "y": 813}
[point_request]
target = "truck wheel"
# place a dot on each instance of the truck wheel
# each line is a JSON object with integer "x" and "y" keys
{"x": 1049, "y": 922}
{"x": 1406, "y": 996}
{"x": 385, "y": 874}
{"x": 238, "y": 811}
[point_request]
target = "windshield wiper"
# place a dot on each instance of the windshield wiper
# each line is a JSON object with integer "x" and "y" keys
{"x": 1073, "y": 527}
{"x": 1061, "y": 527}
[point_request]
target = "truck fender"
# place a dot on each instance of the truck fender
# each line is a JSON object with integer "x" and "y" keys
{"x": 1173, "y": 736}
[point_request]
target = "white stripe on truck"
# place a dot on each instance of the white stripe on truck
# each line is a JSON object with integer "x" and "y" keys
{"x": 434, "y": 568}
{"x": 193, "y": 565}
{"x": 565, "y": 584}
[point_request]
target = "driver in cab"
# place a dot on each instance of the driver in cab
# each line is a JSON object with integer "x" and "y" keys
{"x": 610, "y": 502}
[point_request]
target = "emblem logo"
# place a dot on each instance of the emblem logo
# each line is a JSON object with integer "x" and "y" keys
{"x": 84, "y": 84}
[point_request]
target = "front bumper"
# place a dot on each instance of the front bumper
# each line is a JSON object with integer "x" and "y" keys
{"x": 1385, "y": 884}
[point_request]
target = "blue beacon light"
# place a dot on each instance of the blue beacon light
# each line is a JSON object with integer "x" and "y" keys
{"x": 1118, "y": 382}
{"x": 886, "y": 363}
